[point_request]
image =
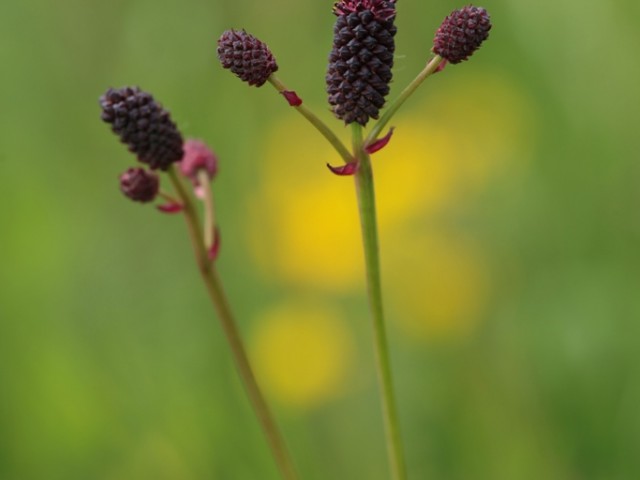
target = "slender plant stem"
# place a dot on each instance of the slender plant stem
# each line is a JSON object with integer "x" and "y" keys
{"x": 367, "y": 207}
{"x": 316, "y": 122}
{"x": 209, "y": 212}
{"x": 394, "y": 106}
{"x": 167, "y": 197}
{"x": 218, "y": 298}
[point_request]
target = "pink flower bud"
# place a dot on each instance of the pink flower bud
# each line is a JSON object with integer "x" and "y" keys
{"x": 197, "y": 156}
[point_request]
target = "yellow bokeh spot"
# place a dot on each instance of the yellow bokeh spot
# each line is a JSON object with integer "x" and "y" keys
{"x": 413, "y": 175}
{"x": 492, "y": 123}
{"x": 304, "y": 221}
{"x": 152, "y": 457}
{"x": 301, "y": 353}
{"x": 438, "y": 287}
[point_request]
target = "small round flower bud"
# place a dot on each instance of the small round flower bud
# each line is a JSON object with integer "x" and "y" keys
{"x": 139, "y": 184}
{"x": 246, "y": 56}
{"x": 197, "y": 156}
{"x": 143, "y": 125}
{"x": 461, "y": 33}
{"x": 360, "y": 61}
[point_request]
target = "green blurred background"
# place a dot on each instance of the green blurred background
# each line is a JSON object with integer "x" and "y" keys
{"x": 509, "y": 207}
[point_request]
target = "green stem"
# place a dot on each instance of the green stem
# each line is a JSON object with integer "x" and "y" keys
{"x": 209, "y": 212}
{"x": 167, "y": 197}
{"x": 406, "y": 93}
{"x": 221, "y": 304}
{"x": 367, "y": 207}
{"x": 316, "y": 122}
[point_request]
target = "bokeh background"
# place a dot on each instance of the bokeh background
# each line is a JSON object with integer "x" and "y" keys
{"x": 509, "y": 212}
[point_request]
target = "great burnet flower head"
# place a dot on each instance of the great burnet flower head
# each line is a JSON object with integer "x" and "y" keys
{"x": 143, "y": 125}
{"x": 361, "y": 58}
{"x": 462, "y": 33}
{"x": 139, "y": 184}
{"x": 246, "y": 56}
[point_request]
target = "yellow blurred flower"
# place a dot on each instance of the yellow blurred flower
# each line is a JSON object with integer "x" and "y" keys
{"x": 437, "y": 286}
{"x": 305, "y": 228}
{"x": 301, "y": 353}
{"x": 152, "y": 457}
{"x": 493, "y": 124}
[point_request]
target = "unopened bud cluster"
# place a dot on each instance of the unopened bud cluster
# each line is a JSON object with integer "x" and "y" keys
{"x": 139, "y": 184}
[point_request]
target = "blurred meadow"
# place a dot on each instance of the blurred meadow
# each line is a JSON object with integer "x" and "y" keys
{"x": 509, "y": 209}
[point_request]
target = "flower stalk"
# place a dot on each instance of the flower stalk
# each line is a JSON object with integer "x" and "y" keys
{"x": 367, "y": 209}
{"x": 220, "y": 302}
{"x": 209, "y": 212}
{"x": 394, "y": 106}
{"x": 322, "y": 127}
{"x": 168, "y": 197}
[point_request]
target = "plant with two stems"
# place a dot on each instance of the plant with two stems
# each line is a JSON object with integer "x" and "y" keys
{"x": 358, "y": 78}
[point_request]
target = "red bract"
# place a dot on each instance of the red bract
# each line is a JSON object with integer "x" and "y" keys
{"x": 214, "y": 250}
{"x": 292, "y": 97}
{"x": 344, "y": 170}
{"x": 170, "y": 208}
{"x": 380, "y": 143}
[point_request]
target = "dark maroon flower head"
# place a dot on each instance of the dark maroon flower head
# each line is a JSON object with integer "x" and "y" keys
{"x": 379, "y": 8}
{"x": 143, "y": 125}
{"x": 139, "y": 184}
{"x": 361, "y": 58}
{"x": 462, "y": 33}
{"x": 246, "y": 56}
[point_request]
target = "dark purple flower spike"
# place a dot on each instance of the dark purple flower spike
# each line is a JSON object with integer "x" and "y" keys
{"x": 246, "y": 56}
{"x": 462, "y": 33}
{"x": 361, "y": 58}
{"x": 143, "y": 125}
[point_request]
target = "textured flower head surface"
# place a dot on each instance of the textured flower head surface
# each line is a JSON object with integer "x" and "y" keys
{"x": 384, "y": 9}
{"x": 361, "y": 59}
{"x": 462, "y": 33}
{"x": 139, "y": 184}
{"x": 246, "y": 56}
{"x": 143, "y": 125}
